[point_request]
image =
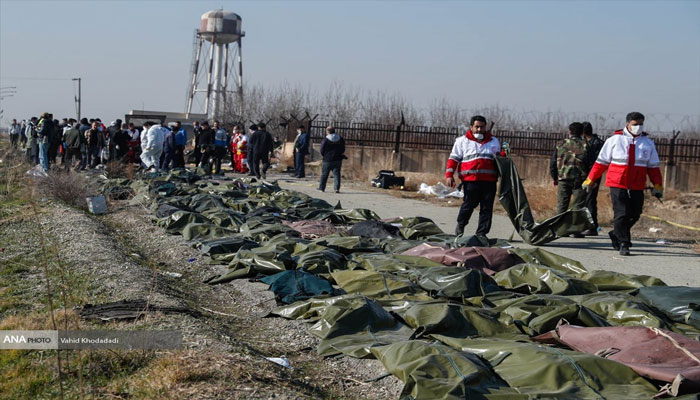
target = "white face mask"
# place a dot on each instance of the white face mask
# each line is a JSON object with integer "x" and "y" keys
{"x": 478, "y": 136}
{"x": 635, "y": 129}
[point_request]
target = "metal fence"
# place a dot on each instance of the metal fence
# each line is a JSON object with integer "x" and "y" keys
{"x": 401, "y": 137}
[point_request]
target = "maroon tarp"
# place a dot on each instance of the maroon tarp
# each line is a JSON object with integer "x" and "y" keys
{"x": 653, "y": 353}
{"x": 488, "y": 259}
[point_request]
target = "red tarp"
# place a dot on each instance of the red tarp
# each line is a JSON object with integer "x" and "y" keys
{"x": 651, "y": 352}
{"x": 488, "y": 259}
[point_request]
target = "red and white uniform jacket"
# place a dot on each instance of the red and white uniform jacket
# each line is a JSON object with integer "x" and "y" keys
{"x": 629, "y": 160}
{"x": 234, "y": 143}
{"x": 473, "y": 160}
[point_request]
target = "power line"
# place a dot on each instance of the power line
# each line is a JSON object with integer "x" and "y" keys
{"x": 31, "y": 78}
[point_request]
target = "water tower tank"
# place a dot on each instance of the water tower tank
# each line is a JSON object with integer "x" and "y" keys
{"x": 221, "y": 26}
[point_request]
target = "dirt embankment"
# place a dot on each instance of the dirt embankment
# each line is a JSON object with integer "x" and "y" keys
{"x": 122, "y": 255}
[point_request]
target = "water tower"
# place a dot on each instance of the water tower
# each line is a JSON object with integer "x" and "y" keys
{"x": 218, "y": 30}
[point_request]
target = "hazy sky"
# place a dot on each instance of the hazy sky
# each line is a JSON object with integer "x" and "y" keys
{"x": 574, "y": 56}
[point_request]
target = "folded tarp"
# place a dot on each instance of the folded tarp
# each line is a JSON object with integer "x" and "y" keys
{"x": 679, "y": 303}
{"x": 487, "y": 259}
{"x": 291, "y": 286}
{"x": 511, "y": 194}
{"x": 540, "y": 371}
{"x": 453, "y": 282}
{"x": 651, "y": 352}
{"x": 311, "y": 229}
{"x": 354, "y": 325}
{"x": 374, "y": 229}
{"x": 436, "y": 371}
{"x": 378, "y": 285}
{"x": 534, "y": 278}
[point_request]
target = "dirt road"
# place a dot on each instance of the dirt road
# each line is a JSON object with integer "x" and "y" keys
{"x": 675, "y": 264}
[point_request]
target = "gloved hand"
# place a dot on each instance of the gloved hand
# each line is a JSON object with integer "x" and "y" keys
{"x": 658, "y": 191}
{"x": 586, "y": 185}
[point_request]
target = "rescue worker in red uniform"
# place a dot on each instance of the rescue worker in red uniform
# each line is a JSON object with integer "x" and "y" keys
{"x": 629, "y": 156}
{"x": 235, "y": 138}
{"x": 242, "y": 153}
{"x": 473, "y": 160}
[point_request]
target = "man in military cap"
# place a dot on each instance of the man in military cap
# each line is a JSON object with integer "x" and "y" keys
{"x": 567, "y": 167}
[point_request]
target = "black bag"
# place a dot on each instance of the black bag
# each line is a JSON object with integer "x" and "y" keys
{"x": 386, "y": 179}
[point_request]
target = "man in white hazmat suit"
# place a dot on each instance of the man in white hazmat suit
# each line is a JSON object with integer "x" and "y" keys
{"x": 152, "y": 144}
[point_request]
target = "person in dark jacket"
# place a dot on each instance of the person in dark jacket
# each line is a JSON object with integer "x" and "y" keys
{"x": 206, "y": 147}
{"x": 221, "y": 142}
{"x": 261, "y": 146}
{"x": 112, "y": 135}
{"x": 196, "y": 132}
{"x": 55, "y": 140}
{"x": 168, "y": 149}
{"x": 301, "y": 149}
{"x": 74, "y": 141}
{"x": 333, "y": 152}
{"x": 95, "y": 142}
{"x": 121, "y": 142}
{"x": 180, "y": 142}
{"x": 595, "y": 143}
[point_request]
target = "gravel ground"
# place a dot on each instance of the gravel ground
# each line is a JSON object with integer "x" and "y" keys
{"x": 236, "y": 314}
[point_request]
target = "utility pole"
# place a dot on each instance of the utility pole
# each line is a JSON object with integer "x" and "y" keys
{"x": 77, "y": 99}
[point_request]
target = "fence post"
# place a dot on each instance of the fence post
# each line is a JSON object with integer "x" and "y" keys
{"x": 397, "y": 142}
{"x": 670, "y": 170}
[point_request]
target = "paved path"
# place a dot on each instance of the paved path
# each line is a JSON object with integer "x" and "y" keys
{"x": 675, "y": 264}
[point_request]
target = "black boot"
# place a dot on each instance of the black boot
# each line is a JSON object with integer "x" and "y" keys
{"x": 615, "y": 241}
{"x": 459, "y": 230}
{"x": 624, "y": 249}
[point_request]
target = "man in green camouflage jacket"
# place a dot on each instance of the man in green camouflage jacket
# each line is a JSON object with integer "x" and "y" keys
{"x": 568, "y": 170}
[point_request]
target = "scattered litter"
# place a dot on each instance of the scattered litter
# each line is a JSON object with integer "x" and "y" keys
{"x": 97, "y": 204}
{"x": 171, "y": 274}
{"x": 662, "y": 241}
{"x": 37, "y": 172}
{"x": 283, "y": 361}
{"x": 136, "y": 255}
{"x": 191, "y": 260}
{"x": 654, "y": 230}
{"x": 439, "y": 190}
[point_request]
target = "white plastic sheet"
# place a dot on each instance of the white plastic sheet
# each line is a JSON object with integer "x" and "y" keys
{"x": 440, "y": 190}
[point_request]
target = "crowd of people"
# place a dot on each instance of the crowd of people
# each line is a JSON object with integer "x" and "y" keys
{"x": 89, "y": 144}
{"x": 83, "y": 144}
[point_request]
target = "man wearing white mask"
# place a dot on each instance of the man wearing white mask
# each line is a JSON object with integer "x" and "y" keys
{"x": 473, "y": 159}
{"x": 629, "y": 156}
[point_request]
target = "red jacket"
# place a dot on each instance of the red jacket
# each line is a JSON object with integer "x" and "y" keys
{"x": 474, "y": 160}
{"x": 624, "y": 171}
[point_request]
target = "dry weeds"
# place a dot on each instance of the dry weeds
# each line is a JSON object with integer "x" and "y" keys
{"x": 68, "y": 188}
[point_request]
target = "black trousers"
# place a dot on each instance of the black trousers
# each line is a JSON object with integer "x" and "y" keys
{"x": 481, "y": 194}
{"x": 299, "y": 167}
{"x": 592, "y": 202}
{"x": 627, "y": 208}
{"x": 255, "y": 165}
{"x": 219, "y": 154}
{"x": 179, "y": 160}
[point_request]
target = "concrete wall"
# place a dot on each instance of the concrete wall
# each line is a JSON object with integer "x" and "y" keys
{"x": 364, "y": 163}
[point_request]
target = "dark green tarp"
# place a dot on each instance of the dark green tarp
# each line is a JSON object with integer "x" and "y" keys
{"x": 291, "y": 286}
{"x": 679, "y": 303}
{"x": 511, "y": 194}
